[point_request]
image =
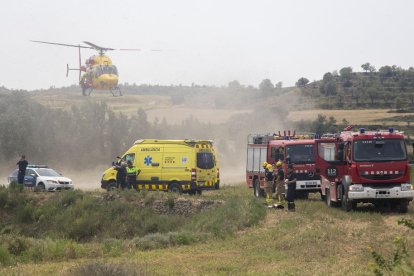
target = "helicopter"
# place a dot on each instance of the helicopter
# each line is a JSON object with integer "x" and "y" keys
{"x": 98, "y": 73}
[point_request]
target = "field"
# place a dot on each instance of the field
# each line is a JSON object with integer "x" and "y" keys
{"x": 156, "y": 106}
{"x": 315, "y": 240}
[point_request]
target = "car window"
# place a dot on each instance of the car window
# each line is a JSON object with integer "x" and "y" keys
{"x": 48, "y": 172}
{"x": 30, "y": 171}
{"x": 129, "y": 157}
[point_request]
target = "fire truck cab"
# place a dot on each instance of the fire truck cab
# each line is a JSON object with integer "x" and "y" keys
{"x": 364, "y": 166}
{"x": 297, "y": 149}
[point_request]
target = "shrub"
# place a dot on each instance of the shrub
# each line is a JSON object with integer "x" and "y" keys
{"x": 16, "y": 187}
{"x": 25, "y": 213}
{"x": 18, "y": 246}
{"x": 4, "y": 195}
{"x": 5, "y": 257}
{"x": 400, "y": 262}
{"x": 112, "y": 247}
{"x": 108, "y": 269}
{"x": 70, "y": 197}
{"x": 170, "y": 202}
{"x": 235, "y": 214}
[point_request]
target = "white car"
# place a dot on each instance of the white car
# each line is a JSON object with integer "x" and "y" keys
{"x": 43, "y": 179}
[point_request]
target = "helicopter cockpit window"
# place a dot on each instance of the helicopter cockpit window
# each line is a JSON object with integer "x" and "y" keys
{"x": 111, "y": 69}
{"x": 100, "y": 70}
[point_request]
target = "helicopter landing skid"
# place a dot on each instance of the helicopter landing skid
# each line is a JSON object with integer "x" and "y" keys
{"x": 116, "y": 92}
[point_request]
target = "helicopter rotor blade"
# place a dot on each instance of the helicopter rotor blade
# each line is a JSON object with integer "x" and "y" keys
{"x": 129, "y": 49}
{"x": 94, "y": 46}
{"x": 62, "y": 44}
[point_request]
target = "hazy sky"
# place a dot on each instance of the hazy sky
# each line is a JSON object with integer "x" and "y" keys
{"x": 205, "y": 42}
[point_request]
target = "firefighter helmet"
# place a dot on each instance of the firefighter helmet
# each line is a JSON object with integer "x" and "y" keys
{"x": 265, "y": 164}
{"x": 279, "y": 163}
{"x": 269, "y": 167}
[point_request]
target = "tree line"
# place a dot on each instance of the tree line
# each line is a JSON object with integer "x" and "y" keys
{"x": 388, "y": 87}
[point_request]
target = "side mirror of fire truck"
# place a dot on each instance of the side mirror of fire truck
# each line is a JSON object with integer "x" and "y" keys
{"x": 411, "y": 161}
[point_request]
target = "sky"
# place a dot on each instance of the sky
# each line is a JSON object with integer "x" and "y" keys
{"x": 203, "y": 42}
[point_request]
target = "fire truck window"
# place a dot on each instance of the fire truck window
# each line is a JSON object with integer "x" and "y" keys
{"x": 326, "y": 151}
{"x": 276, "y": 153}
{"x": 300, "y": 154}
{"x": 380, "y": 150}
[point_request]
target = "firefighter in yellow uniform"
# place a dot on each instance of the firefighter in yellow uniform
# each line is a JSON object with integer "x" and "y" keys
{"x": 132, "y": 174}
{"x": 280, "y": 185}
{"x": 268, "y": 186}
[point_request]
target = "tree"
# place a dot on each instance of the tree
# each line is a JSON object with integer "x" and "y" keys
{"x": 367, "y": 67}
{"x": 329, "y": 88}
{"x": 266, "y": 86}
{"x": 234, "y": 85}
{"x": 302, "y": 82}
{"x": 279, "y": 85}
{"x": 386, "y": 72}
{"x": 328, "y": 77}
{"x": 372, "y": 94}
{"x": 345, "y": 76}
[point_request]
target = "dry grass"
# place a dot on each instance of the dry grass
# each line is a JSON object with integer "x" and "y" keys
{"x": 315, "y": 240}
{"x": 358, "y": 116}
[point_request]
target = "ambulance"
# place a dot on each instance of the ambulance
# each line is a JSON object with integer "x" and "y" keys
{"x": 182, "y": 166}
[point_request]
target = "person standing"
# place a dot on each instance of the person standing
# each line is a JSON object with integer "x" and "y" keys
{"x": 268, "y": 186}
{"x": 291, "y": 187}
{"x": 132, "y": 174}
{"x": 280, "y": 177}
{"x": 22, "y": 169}
{"x": 121, "y": 174}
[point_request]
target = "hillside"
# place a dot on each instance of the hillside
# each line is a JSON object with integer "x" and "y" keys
{"x": 391, "y": 87}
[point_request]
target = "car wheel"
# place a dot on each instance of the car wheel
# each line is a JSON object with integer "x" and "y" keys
{"x": 111, "y": 185}
{"x": 41, "y": 187}
{"x": 175, "y": 188}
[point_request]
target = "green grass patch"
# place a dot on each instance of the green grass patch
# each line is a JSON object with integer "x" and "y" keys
{"x": 43, "y": 227}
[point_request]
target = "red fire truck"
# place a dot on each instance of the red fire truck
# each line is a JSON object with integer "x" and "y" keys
{"x": 365, "y": 166}
{"x": 297, "y": 149}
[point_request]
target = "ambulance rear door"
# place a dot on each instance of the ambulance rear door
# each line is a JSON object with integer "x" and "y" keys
{"x": 206, "y": 165}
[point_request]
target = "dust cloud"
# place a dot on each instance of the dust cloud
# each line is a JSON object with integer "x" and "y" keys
{"x": 81, "y": 140}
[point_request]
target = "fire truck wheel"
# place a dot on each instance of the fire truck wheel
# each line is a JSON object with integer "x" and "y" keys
{"x": 328, "y": 198}
{"x": 323, "y": 197}
{"x": 403, "y": 206}
{"x": 175, "y": 188}
{"x": 256, "y": 188}
{"x": 346, "y": 203}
